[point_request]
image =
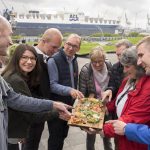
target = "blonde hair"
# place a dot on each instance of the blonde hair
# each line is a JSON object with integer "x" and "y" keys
{"x": 97, "y": 52}
{"x": 73, "y": 35}
{"x": 145, "y": 40}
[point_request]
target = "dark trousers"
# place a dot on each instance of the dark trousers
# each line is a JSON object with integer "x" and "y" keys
{"x": 34, "y": 136}
{"x": 13, "y": 146}
{"x": 90, "y": 141}
{"x": 58, "y": 130}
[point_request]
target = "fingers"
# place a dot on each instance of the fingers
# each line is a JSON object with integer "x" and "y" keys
{"x": 79, "y": 94}
{"x": 68, "y": 106}
{"x": 91, "y": 130}
{"x": 76, "y": 94}
{"x": 63, "y": 116}
{"x": 61, "y": 107}
{"x": 107, "y": 96}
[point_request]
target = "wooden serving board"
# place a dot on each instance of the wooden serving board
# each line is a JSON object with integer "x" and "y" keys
{"x": 88, "y": 112}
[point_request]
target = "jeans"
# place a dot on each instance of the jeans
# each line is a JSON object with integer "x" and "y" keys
{"x": 58, "y": 130}
{"x": 34, "y": 136}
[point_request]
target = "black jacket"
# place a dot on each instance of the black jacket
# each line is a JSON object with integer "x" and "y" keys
{"x": 116, "y": 78}
{"x": 86, "y": 80}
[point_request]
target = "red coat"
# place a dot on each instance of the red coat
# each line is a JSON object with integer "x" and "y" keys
{"x": 136, "y": 110}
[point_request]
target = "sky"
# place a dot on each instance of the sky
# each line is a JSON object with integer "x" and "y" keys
{"x": 136, "y": 10}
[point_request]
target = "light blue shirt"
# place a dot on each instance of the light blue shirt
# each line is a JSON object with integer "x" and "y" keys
{"x": 53, "y": 75}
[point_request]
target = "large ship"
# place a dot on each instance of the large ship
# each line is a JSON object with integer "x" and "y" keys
{"x": 35, "y": 23}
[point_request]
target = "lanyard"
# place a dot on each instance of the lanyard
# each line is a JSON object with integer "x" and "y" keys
{"x": 131, "y": 85}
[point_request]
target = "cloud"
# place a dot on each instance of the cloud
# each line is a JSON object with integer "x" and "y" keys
{"x": 135, "y": 10}
{"x": 85, "y": 5}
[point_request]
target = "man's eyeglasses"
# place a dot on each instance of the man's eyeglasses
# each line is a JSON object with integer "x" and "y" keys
{"x": 72, "y": 46}
{"x": 26, "y": 58}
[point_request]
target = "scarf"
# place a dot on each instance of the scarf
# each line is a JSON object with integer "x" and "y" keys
{"x": 101, "y": 77}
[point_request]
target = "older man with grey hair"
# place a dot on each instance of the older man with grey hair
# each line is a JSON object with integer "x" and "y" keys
{"x": 8, "y": 98}
{"x": 63, "y": 73}
{"x": 117, "y": 75}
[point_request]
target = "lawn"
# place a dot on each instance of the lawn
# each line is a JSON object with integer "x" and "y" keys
{"x": 109, "y": 47}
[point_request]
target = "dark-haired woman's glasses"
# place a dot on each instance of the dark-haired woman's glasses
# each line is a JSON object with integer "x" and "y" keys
{"x": 26, "y": 58}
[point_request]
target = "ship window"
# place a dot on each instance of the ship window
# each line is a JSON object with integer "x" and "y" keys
{"x": 48, "y": 17}
{"x": 101, "y": 21}
{"x": 91, "y": 20}
{"x": 42, "y": 16}
{"x": 21, "y": 16}
{"x": 109, "y": 21}
{"x": 37, "y": 16}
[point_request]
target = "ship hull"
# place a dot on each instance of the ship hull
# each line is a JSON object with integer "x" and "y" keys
{"x": 35, "y": 29}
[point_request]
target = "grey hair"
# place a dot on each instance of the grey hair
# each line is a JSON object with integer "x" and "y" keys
{"x": 73, "y": 35}
{"x": 124, "y": 42}
{"x": 130, "y": 57}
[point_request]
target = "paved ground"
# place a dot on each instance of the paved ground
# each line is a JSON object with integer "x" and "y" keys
{"x": 76, "y": 138}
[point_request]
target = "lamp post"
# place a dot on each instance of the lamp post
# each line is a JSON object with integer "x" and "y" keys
{"x": 100, "y": 29}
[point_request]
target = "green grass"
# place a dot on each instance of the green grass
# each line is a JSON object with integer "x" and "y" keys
{"x": 87, "y": 46}
{"x": 135, "y": 40}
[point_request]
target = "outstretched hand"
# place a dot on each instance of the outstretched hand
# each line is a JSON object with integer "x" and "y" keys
{"x": 76, "y": 94}
{"x": 106, "y": 96}
{"x": 63, "y": 110}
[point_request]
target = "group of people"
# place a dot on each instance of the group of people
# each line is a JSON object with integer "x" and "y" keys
{"x": 21, "y": 69}
{"x": 34, "y": 75}
{"x": 131, "y": 104}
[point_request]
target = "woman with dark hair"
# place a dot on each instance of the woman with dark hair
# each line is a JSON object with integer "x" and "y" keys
{"x": 22, "y": 64}
{"x": 132, "y": 103}
{"x": 22, "y": 73}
